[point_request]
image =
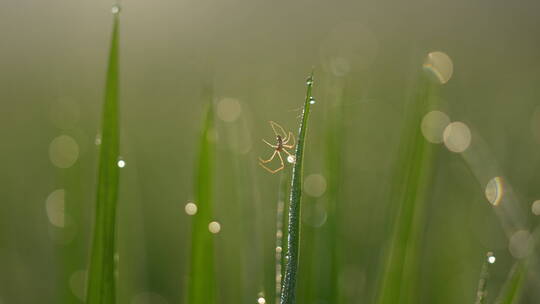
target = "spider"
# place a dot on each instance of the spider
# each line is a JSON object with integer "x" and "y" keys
{"x": 281, "y": 146}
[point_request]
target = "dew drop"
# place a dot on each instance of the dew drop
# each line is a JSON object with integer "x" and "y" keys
{"x": 495, "y": 191}
{"x": 457, "y": 137}
{"x": 291, "y": 159}
{"x": 190, "y": 208}
{"x": 279, "y": 249}
{"x": 55, "y": 206}
{"x": 315, "y": 185}
{"x": 63, "y": 151}
{"x": 309, "y": 80}
{"x": 214, "y": 227}
{"x": 261, "y": 300}
{"x": 229, "y": 109}
{"x": 439, "y": 66}
{"x": 311, "y": 100}
{"x": 433, "y": 125}
{"x": 115, "y": 9}
{"x": 491, "y": 258}
{"x": 121, "y": 163}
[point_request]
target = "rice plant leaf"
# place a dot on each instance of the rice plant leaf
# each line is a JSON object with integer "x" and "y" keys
{"x": 408, "y": 189}
{"x": 481, "y": 291}
{"x": 334, "y": 167}
{"x": 288, "y": 290}
{"x": 280, "y": 234}
{"x": 201, "y": 289}
{"x": 513, "y": 287}
{"x": 101, "y": 278}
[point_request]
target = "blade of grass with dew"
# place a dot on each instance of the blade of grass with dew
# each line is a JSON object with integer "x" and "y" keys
{"x": 288, "y": 289}
{"x": 408, "y": 190}
{"x": 101, "y": 277}
{"x": 512, "y": 290}
{"x": 481, "y": 291}
{"x": 201, "y": 288}
{"x": 279, "y": 236}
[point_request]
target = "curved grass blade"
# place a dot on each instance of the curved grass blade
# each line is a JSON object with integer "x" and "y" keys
{"x": 101, "y": 278}
{"x": 511, "y": 292}
{"x": 288, "y": 289}
{"x": 201, "y": 289}
{"x": 398, "y": 280}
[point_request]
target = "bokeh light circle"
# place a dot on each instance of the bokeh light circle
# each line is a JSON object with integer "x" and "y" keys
{"x": 457, "y": 137}
{"x": 439, "y": 66}
{"x": 433, "y": 125}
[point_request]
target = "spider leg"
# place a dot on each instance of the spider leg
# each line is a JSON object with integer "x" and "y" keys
{"x": 268, "y": 160}
{"x": 270, "y": 170}
{"x": 274, "y": 125}
{"x": 288, "y": 153}
{"x": 282, "y": 164}
{"x": 269, "y": 144}
{"x": 288, "y": 138}
{"x": 276, "y": 170}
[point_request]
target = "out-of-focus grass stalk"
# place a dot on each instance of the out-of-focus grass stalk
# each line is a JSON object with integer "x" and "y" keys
{"x": 288, "y": 290}
{"x": 101, "y": 273}
{"x": 334, "y": 169}
{"x": 398, "y": 281}
{"x": 201, "y": 289}
{"x": 481, "y": 291}
{"x": 512, "y": 290}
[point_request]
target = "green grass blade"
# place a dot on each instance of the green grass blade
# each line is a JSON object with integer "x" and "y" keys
{"x": 101, "y": 279}
{"x": 512, "y": 290}
{"x": 408, "y": 189}
{"x": 201, "y": 289}
{"x": 280, "y": 217}
{"x": 288, "y": 289}
{"x": 334, "y": 168}
{"x": 481, "y": 291}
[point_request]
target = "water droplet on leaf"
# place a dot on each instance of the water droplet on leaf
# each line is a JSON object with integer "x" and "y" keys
{"x": 115, "y": 9}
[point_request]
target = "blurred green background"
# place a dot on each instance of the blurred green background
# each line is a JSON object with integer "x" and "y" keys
{"x": 256, "y": 55}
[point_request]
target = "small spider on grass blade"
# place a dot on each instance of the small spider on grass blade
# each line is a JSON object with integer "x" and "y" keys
{"x": 282, "y": 145}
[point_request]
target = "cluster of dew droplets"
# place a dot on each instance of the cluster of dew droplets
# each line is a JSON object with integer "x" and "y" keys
{"x": 279, "y": 249}
{"x": 436, "y": 125}
{"x": 309, "y": 82}
{"x": 191, "y": 209}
